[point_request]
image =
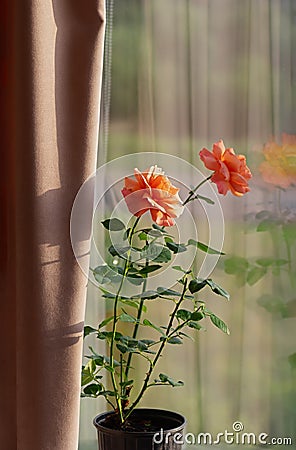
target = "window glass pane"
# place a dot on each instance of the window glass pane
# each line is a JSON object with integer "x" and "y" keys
{"x": 180, "y": 75}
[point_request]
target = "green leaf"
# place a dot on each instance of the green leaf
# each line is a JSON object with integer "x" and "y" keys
{"x": 92, "y": 389}
{"x": 206, "y": 199}
{"x": 88, "y": 372}
{"x": 280, "y": 262}
{"x": 163, "y": 256}
{"x": 217, "y": 289}
{"x": 108, "y": 393}
{"x": 132, "y": 304}
{"x": 167, "y": 292}
{"x": 126, "y": 383}
{"x": 142, "y": 236}
{"x": 118, "y": 250}
{"x": 142, "y": 346}
{"x": 101, "y": 360}
{"x": 157, "y": 227}
{"x": 101, "y": 270}
{"x": 183, "y": 314}
{"x": 204, "y": 248}
{"x": 126, "y": 234}
{"x": 176, "y": 248}
{"x": 290, "y": 309}
{"x": 292, "y": 360}
{"x": 129, "y": 341}
{"x": 263, "y": 215}
{"x": 255, "y": 274}
{"x": 235, "y": 265}
{"x": 265, "y": 262}
{"x": 219, "y": 323}
{"x": 107, "y": 294}
{"x": 122, "y": 347}
{"x": 124, "y": 317}
{"x": 196, "y": 316}
{"x": 181, "y": 333}
{"x": 149, "y": 295}
{"x": 90, "y": 367}
{"x": 108, "y": 335}
{"x": 148, "y": 341}
{"x": 194, "y": 325}
{"x": 149, "y": 269}
{"x": 89, "y": 330}
{"x": 289, "y": 233}
{"x": 155, "y": 233}
{"x": 272, "y": 304}
{"x": 103, "y": 274}
{"x": 179, "y": 268}
{"x": 135, "y": 280}
{"x": 196, "y": 285}
{"x": 174, "y": 340}
{"x": 105, "y": 322}
{"x": 127, "y": 344}
{"x": 266, "y": 225}
{"x": 147, "y": 323}
{"x": 166, "y": 379}
{"x": 113, "y": 224}
{"x": 86, "y": 377}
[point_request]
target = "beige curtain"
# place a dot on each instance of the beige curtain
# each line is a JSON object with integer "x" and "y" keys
{"x": 184, "y": 74}
{"x": 51, "y": 67}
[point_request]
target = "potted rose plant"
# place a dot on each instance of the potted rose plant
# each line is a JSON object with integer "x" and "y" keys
{"x": 139, "y": 252}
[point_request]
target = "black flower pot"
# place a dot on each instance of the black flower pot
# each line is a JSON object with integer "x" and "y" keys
{"x": 160, "y": 430}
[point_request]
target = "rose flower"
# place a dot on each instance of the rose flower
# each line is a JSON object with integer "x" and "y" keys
{"x": 279, "y": 167}
{"x": 152, "y": 191}
{"x": 231, "y": 172}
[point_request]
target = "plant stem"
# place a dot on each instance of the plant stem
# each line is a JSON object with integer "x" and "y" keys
{"x": 121, "y": 372}
{"x": 116, "y": 300}
{"x": 135, "y": 333}
{"x": 159, "y": 352}
{"x": 192, "y": 192}
{"x": 129, "y": 359}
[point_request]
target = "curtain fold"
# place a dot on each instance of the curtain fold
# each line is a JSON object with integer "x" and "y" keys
{"x": 51, "y": 67}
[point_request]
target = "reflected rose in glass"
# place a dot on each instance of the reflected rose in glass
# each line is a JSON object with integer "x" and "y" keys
{"x": 279, "y": 167}
{"x": 152, "y": 191}
{"x": 231, "y": 172}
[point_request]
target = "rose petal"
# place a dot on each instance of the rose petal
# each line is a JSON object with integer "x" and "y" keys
{"x": 218, "y": 149}
{"x": 152, "y": 190}
{"x": 209, "y": 159}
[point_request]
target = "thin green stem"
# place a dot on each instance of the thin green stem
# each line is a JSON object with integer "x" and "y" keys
{"x": 288, "y": 248}
{"x": 113, "y": 379}
{"x": 121, "y": 374}
{"x": 137, "y": 324}
{"x": 192, "y": 192}
{"x": 135, "y": 333}
{"x": 116, "y": 300}
{"x": 159, "y": 352}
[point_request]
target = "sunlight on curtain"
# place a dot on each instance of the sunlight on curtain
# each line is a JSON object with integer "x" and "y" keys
{"x": 185, "y": 74}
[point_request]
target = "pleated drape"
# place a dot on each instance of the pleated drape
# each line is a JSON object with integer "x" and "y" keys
{"x": 51, "y": 63}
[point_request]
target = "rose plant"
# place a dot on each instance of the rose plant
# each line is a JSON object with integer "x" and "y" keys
{"x": 277, "y": 223}
{"x": 140, "y": 252}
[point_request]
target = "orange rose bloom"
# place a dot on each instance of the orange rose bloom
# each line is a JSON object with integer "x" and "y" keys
{"x": 279, "y": 167}
{"x": 152, "y": 191}
{"x": 231, "y": 172}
